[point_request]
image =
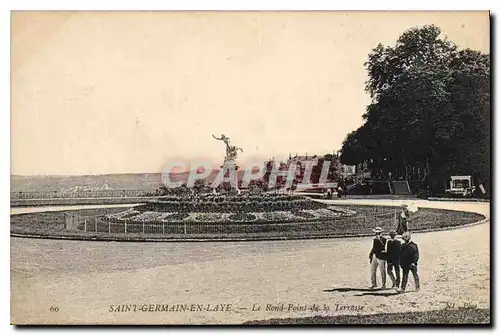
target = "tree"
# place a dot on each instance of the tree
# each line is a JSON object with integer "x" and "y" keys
{"x": 430, "y": 109}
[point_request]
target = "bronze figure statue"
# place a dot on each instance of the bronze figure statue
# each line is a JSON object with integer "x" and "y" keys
{"x": 231, "y": 150}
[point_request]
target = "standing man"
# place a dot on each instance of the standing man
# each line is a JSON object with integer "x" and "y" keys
{"x": 404, "y": 216}
{"x": 393, "y": 250}
{"x": 377, "y": 258}
{"x": 408, "y": 260}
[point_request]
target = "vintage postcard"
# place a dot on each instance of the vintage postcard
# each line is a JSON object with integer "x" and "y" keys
{"x": 250, "y": 168}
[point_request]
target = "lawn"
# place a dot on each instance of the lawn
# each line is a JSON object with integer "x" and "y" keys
{"x": 53, "y": 224}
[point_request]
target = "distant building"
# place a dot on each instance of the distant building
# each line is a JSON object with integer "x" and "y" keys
{"x": 317, "y": 162}
{"x": 302, "y": 161}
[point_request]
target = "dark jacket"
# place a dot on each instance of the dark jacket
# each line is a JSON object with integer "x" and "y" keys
{"x": 393, "y": 251}
{"x": 403, "y": 222}
{"x": 378, "y": 248}
{"x": 409, "y": 254}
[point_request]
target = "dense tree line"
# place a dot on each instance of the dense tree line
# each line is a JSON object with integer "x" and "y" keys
{"x": 429, "y": 110}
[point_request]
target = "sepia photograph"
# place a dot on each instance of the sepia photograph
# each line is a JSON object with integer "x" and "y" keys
{"x": 250, "y": 168}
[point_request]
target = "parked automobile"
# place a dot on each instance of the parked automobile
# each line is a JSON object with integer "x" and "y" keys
{"x": 460, "y": 186}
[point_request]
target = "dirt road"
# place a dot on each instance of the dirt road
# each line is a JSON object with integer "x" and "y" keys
{"x": 89, "y": 282}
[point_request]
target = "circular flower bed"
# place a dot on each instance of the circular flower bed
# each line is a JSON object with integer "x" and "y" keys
{"x": 209, "y": 208}
{"x": 230, "y": 203}
{"x": 278, "y": 216}
{"x": 323, "y": 213}
{"x": 121, "y": 216}
{"x": 89, "y": 224}
{"x": 342, "y": 211}
{"x": 208, "y": 217}
{"x": 136, "y": 216}
{"x": 176, "y": 217}
{"x": 242, "y": 217}
{"x": 303, "y": 215}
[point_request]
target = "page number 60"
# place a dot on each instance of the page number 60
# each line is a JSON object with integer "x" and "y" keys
{"x": 54, "y": 309}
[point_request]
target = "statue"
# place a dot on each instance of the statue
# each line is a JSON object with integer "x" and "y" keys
{"x": 231, "y": 150}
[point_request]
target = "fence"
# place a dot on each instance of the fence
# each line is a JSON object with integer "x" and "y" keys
{"x": 80, "y": 194}
{"x": 85, "y": 221}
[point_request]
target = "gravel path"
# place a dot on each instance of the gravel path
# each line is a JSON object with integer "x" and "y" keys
{"x": 82, "y": 279}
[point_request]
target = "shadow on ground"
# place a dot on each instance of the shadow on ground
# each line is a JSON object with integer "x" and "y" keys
{"x": 377, "y": 292}
{"x": 355, "y": 289}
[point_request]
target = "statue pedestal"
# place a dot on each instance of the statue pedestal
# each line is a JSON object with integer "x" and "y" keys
{"x": 229, "y": 174}
{"x": 228, "y": 165}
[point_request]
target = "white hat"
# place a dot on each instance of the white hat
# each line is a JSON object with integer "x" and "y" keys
{"x": 377, "y": 230}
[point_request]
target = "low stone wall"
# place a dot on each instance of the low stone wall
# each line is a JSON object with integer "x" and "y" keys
{"x": 77, "y": 201}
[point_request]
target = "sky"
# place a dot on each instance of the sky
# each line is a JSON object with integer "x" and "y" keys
{"x": 129, "y": 92}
